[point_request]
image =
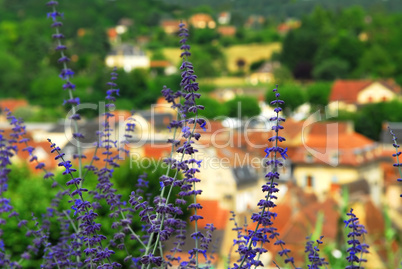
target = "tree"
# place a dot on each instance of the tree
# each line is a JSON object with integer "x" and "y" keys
{"x": 347, "y": 47}
{"x": 370, "y": 118}
{"x": 318, "y": 93}
{"x": 213, "y": 108}
{"x": 298, "y": 50}
{"x": 248, "y": 107}
{"x": 205, "y": 65}
{"x": 282, "y": 75}
{"x": 204, "y": 36}
{"x": 11, "y": 75}
{"x": 45, "y": 87}
{"x": 377, "y": 62}
{"x": 331, "y": 69}
{"x": 293, "y": 95}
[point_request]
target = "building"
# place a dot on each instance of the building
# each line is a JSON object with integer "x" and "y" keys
{"x": 350, "y": 94}
{"x": 264, "y": 74}
{"x": 201, "y": 21}
{"x": 287, "y": 26}
{"x": 171, "y": 26}
{"x": 224, "y": 17}
{"x": 334, "y": 156}
{"x": 127, "y": 57}
{"x": 12, "y": 104}
{"x": 254, "y": 21}
{"x": 226, "y": 30}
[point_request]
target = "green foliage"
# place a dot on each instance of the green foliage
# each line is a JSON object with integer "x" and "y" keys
{"x": 39, "y": 114}
{"x": 293, "y": 56}
{"x": 36, "y": 198}
{"x": 347, "y": 47}
{"x": 213, "y": 108}
{"x": 257, "y": 64}
{"x": 209, "y": 60}
{"x": 204, "y": 36}
{"x": 282, "y": 75}
{"x": 11, "y": 76}
{"x": 9, "y": 34}
{"x": 318, "y": 93}
{"x": 331, "y": 69}
{"x": 45, "y": 87}
{"x": 369, "y": 118}
{"x": 377, "y": 62}
{"x": 293, "y": 95}
{"x": 243, "y": 106}
{"x": 350, "y": 43}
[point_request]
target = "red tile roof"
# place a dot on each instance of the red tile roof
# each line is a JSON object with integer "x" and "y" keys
{"x": 212, "y": 213}
{"x": 348, "y": 90}
{"x": 157, "y": 151}
{"x": 12, "y": 104}
{"x": 353, "y": 147}
{"x": 24, "y": 157}
{"x": 201, "y": 17}
{"x": 227, "y": 30}
{"x": 112, "y": 33}
{"x": 159, "y": 63}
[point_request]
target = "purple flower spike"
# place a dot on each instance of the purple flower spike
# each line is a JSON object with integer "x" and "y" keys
{"x": 397, "y": 154}
{"x": 264, "y": 230}
{"x": 356, "y": 248}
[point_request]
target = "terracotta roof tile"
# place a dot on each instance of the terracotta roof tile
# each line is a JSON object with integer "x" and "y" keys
{"x": 347, "y": 90}
{"x": 12, "y": 104}
{"x": 353, "y": 148}
{"x": 213, "y": 213}
{"x": 157, "y": 151}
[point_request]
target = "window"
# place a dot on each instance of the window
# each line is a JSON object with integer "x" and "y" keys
{"x": 309, "y": 158}
{"x": 309, "y": 181}
{"x": 334, "y": 158}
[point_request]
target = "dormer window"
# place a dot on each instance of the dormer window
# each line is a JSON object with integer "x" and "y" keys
{"x": 309, "y": 157}
{"x": 309, "y": 181}
{"x": 334, "y": 158}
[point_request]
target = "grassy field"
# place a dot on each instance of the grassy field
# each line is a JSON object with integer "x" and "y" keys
{"x": 249, "y": 53}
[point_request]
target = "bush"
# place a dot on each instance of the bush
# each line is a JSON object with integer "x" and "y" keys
{"x": 243, "y": 106}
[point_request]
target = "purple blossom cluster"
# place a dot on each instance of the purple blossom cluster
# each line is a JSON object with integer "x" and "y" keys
{"x": 81, "y": 242}
{"x": 252, "y": 244}
{"x": 396, "y": 154}
{"x": 356, "y": 248}
{"x": 314, "y": 253}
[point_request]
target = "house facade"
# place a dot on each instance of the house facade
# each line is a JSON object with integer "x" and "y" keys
{"x": 201, "y": 21}
{"x": 330, "y": 159}
{"x": 350, "y": 94}
{"x": 127, "y": 57}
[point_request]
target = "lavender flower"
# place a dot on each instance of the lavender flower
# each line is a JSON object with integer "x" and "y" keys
{"x": 397, "y": 153}
{"x": 356, "y": 247}
{"x": 249, "y": 251}
{"x": 313, "y": 253}
{"x": 88, "y": 229}
{"x": 66, "y": 74}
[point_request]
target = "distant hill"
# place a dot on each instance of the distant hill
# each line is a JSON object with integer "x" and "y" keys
{"x": 286, "y": 8}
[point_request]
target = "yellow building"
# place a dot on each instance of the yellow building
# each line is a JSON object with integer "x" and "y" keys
{"x": 201, "y": 20}
{"x": 330, "y": 159}
{"x": 127, "y": 57}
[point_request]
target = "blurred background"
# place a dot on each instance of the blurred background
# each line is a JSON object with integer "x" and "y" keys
{"x": 340, "y": 61}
